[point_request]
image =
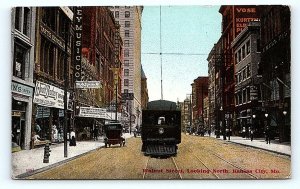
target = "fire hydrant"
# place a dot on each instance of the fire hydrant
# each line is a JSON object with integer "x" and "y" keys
{"x": 46, "y": 153}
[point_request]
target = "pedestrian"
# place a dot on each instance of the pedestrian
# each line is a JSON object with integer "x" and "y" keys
{"x": 72, "y": 138}
{"x": 244, "y": 132}
{"x": 251, "y": 134}
{"x": 95, "y": 133}
{"x": 268, "y": 137}
{"x": 37, "y": 128}
{"x": 209, "y": 132}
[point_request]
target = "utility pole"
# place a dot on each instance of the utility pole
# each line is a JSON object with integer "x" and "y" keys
{"x": 66, "y": 84}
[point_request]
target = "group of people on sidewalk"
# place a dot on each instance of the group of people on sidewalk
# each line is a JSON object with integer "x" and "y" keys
{"x": 250, "y": 134}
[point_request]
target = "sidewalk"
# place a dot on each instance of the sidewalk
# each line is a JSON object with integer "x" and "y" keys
{"x": 27, "y": 162}
{"x": 260, "y": 143}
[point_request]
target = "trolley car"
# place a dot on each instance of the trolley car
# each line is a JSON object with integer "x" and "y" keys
{"x": 161, "y": 128}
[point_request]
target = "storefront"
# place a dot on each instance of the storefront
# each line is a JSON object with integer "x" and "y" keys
{"x": 49, "y": 112}
{"x": 88, "y": 120}
{"x": 21, "y": 115}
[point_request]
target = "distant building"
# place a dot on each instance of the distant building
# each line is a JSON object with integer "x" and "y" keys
{"x": 129, "y": 18}
{"x": 144, "y": 92}
{"x": 215, "y": 92}
{"x": 199, "y": 92}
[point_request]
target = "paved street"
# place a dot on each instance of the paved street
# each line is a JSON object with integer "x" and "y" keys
{"x": 197, "y": 158}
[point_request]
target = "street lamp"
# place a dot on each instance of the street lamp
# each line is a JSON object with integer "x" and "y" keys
{"x": 283, "y": 127}
{"x": 223, "y": 127}
{"x": 253, "y": 121}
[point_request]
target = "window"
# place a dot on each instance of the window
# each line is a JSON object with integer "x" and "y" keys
{"x": 26, "y": 21}
{"x": 258, "y": 45}
{"x": 18, "y": 17}
{"x": 117, "y": 14}
{"x": 248, "y": 71}
{"x": 126, "y": 82}
{"x": 127, "y": 7}
{"x": 126, "y": 72}
{"x": 63, "y": 26}
{"x": 126, "y": 53}
{"x": 248, "y": 94}
{"x": 126, "y": 43}
{"x": 49, "y": 17}
{"x": 243, "y": 52}
{"x": 248, "y": 47}
{"x": 20, "y": 53}
{"x": 125, "y": 90}
{"x": 127, "y": 23}
{"x": 126, "y": 33}
{"x": 60, "y": 65}
{"x": 47, "y": 57}
{"x": 244, "y": 74}
{"x": 22, "y": 20}
{"x": 244, "y": 95}
{"x": 239, "y": 55}
{"x": 127, "y": 14}
{"x": 126, "y": 62}
{"x": 236, "y": 57}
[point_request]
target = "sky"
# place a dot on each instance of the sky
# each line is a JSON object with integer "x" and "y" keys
{"x": 184, "y": 29}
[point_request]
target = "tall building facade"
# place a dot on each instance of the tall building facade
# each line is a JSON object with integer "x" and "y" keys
{"x": 129, "y": 18}
{"x": 53, "y": 49}
{"x": 246, "y": 47}
{"x": 22, "y": 86}
{"x": 275, "y": 69}
{"x": 234, "y": 20}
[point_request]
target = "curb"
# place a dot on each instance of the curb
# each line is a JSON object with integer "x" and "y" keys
{"x": 281, "y": 153}
{"x": 27, "y": 174}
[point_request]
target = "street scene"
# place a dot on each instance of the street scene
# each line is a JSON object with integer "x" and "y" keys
{"x": 151, "y": 92}
{"x": 197, "y": 158}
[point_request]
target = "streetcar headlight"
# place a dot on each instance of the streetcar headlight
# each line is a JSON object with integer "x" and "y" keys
{"x": 161, "y": 130}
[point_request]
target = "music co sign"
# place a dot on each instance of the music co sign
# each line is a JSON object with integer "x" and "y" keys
{"x": 78, "y": 36}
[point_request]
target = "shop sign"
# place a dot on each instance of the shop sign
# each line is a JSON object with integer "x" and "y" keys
{"x": 21, "y": 89}
{"x": 49, "y": 96}
{"x": 42, "y": 112}
{"x": 17, "y": 114}
{"x": 68, "y": 12}
{"x": 92, "y": 112}
{"x": 88, "y": 84}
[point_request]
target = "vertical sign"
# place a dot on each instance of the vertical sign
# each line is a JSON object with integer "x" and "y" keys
{"x": 77, "y": 42}
{"x": 117, "y": 45}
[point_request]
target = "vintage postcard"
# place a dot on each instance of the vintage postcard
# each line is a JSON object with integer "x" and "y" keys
{"x": 151, "y": 92}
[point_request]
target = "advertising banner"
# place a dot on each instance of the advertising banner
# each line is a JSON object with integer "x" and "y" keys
{"x": 92, "y": 112}
{"x": 48, "y": 95}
